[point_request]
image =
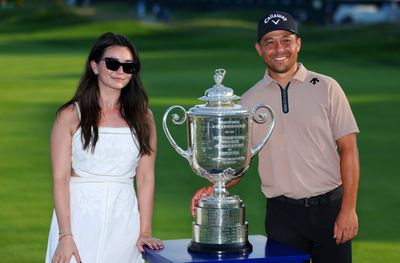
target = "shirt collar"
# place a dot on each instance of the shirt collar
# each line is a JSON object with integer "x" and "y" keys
{"x": 300, "y": 75}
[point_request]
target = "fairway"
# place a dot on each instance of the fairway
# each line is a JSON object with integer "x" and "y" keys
{"x": 41, "y": 62}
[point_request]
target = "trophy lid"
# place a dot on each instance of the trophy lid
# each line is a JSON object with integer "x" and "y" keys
{"x": 220, "y": 99}
{"x": 219, "y": 92}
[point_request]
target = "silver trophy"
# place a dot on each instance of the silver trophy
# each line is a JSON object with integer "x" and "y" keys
{"x": 219, "y": 149}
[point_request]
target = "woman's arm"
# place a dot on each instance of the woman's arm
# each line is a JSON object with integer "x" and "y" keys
{"x": 61, "y": 141}
{"x": 145, "y": 192}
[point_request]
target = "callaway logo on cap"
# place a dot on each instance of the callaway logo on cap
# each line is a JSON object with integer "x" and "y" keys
{"x": 276, "y": 20}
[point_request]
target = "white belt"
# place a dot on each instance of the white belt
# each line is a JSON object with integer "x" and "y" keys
{"x": 101, "y": 179}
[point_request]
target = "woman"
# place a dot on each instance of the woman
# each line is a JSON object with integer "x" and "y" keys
{"x": 102, "y": 138}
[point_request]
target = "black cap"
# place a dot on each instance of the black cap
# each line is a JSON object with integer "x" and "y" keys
{"x": 276, "y": 20}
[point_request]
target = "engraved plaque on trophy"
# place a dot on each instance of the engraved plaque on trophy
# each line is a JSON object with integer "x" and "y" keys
{"x": 219, "y": 149}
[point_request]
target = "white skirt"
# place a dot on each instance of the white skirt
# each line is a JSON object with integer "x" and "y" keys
{"x": 105, "y": 222}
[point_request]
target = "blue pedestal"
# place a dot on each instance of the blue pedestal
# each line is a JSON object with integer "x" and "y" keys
{"x": 175, "y": 251}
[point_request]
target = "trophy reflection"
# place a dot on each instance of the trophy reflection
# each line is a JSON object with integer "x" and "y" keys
{"x": 219, "y": 149}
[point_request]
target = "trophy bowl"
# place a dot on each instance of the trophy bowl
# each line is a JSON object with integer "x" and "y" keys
{"x": 220, "y": 150}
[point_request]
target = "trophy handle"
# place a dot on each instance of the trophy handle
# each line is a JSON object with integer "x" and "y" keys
{"x": 260, "y": 119}
{"x": 175, "y": 120}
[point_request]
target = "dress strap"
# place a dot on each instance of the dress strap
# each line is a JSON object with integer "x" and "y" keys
{"x": 78, "y": 109}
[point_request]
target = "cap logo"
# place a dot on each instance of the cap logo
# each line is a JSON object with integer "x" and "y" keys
{"x": 275, "y": 18}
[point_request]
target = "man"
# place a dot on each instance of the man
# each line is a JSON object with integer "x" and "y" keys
{"x": 309, "y": 168}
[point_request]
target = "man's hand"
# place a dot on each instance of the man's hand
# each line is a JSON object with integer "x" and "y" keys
{"x": 346, "y": 226}
{"x": 202, "y": 192}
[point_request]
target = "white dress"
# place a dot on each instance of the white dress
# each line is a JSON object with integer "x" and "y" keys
{"x": 104, "y": 211}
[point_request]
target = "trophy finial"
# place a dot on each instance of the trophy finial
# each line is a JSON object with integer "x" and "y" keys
{"x": 219, "y": 93}
{"x": 219, "y": 75}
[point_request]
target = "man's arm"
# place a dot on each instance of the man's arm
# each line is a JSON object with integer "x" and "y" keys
{"x": 346, "y": 225}
{"x": 206, "y": 191}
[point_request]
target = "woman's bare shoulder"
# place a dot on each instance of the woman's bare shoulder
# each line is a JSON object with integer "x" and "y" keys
{"x": 149, "y": 114}
{"x": 68, "y": 117}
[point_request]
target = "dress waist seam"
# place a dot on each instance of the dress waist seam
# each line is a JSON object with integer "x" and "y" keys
{"x": 100, "y": 179}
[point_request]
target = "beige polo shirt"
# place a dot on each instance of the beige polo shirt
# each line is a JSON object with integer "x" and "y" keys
{"x": 300, "y": 158}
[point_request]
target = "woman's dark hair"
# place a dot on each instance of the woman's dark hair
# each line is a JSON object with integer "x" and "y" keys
{"x": 133, "y": 99}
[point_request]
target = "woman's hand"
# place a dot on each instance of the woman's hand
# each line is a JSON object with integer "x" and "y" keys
{"x": 146, "y": 239}
{"x": 66, "y": 248}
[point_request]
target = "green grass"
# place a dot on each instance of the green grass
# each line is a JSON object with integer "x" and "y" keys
{"x": 42, "y": 59}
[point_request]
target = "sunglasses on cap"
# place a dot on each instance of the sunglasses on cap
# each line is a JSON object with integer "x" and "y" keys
{"x": 114, "y": 65}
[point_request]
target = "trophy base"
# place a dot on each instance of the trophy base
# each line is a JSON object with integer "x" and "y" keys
{"x": 242, "y": 248}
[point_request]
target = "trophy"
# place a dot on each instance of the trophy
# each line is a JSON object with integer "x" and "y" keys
{"x": 219, "y": 149}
